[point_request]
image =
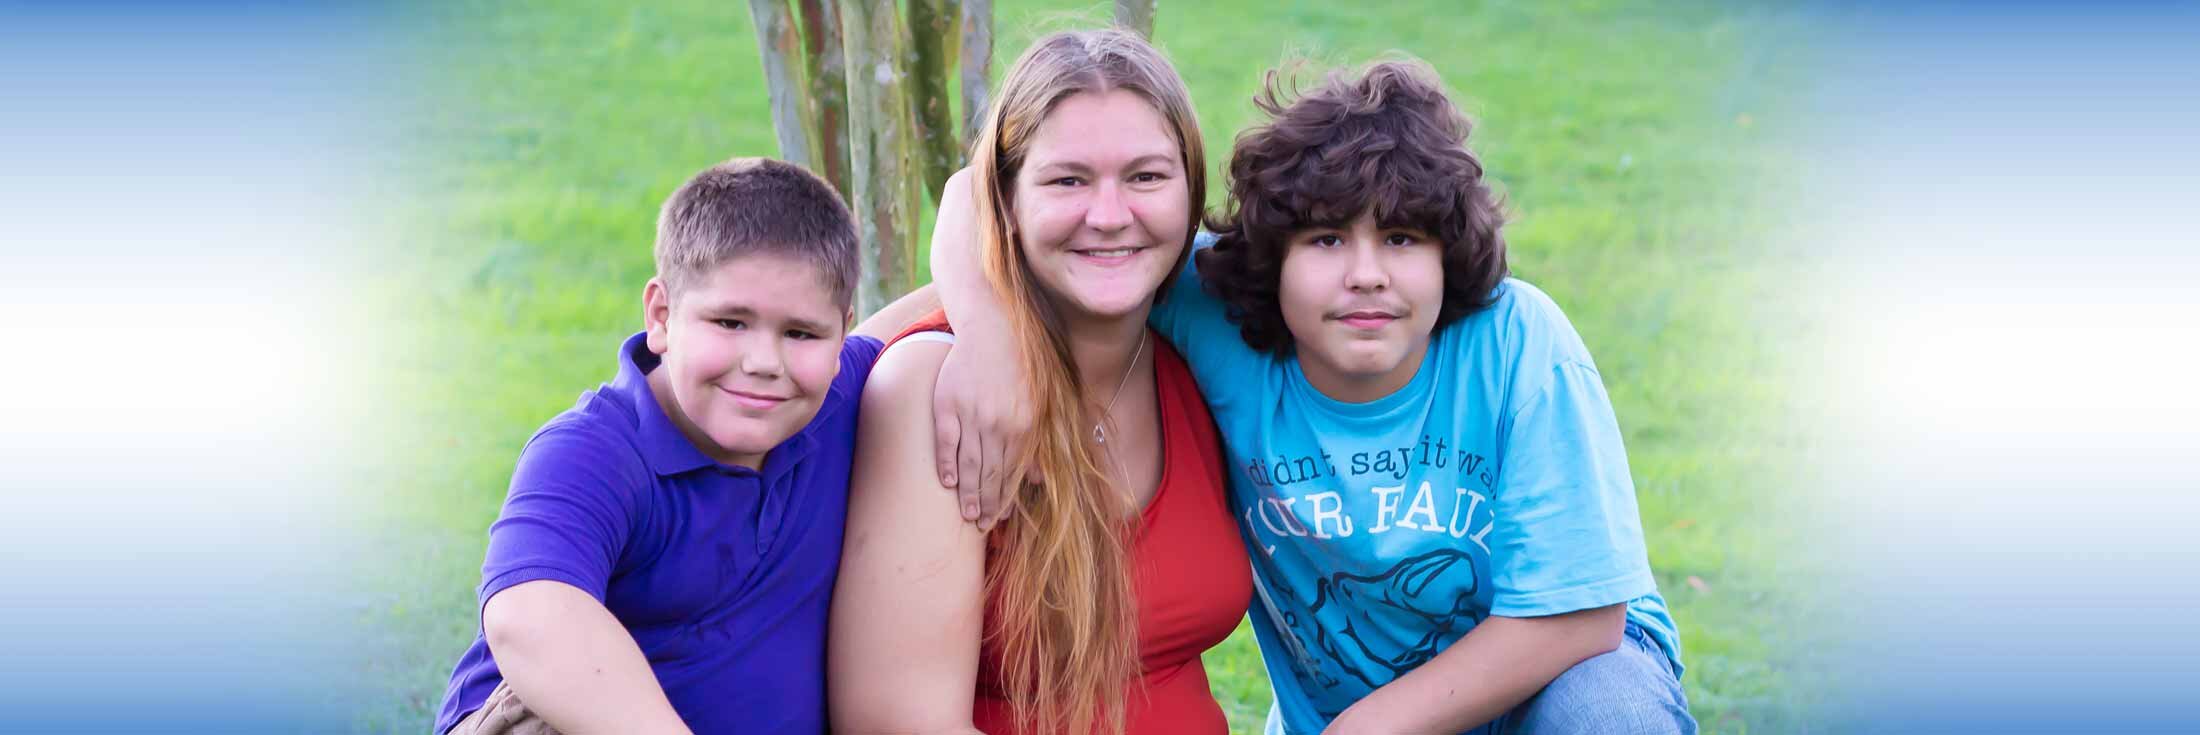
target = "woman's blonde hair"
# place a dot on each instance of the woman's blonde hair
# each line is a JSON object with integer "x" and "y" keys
{"x": 1065, "y": 622}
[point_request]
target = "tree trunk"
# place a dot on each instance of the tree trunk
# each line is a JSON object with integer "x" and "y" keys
{"x": 828, "y": 98}
{"x": 932, "y": 50}
{"x": 878, "y": 146}
{"x": 1136, "y": 15}
{"x": 776, "y": 39}
{"x": 977, "y": 65}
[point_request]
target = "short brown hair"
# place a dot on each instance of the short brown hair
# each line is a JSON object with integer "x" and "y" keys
{"x": 756, "y": 205}
{"x": 1387, "y": 140}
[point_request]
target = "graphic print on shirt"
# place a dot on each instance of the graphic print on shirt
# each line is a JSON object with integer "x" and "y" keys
{"x": 1358, "y": 629}
{"x": 1347, "y": 602}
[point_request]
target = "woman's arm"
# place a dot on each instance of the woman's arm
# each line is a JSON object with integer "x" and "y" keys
{"x": 572, "y": 663}
{"x": 980, "y": 437}
{"x": 910, "y": 599}
{"x": 897, "y": 316}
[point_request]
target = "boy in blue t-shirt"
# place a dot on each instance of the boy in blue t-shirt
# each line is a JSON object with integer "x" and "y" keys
{"x": 665, "y": 558}
{"x": 1426, "y": 466}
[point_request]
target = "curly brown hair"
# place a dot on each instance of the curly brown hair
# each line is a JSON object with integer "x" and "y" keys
{"x": 1386, "y": 140}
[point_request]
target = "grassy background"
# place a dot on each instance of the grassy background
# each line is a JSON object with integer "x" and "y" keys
{"x": 1645, "y": 150}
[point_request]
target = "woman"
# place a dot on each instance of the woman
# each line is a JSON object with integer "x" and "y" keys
{"x": 1087, "y": 608}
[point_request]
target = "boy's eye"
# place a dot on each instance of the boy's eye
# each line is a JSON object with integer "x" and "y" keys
{"x": 733, "y": 324}
{"x": 1401, "y": 239}
{"x": 1326, "y": 241}
{"x": 798, "y": 334}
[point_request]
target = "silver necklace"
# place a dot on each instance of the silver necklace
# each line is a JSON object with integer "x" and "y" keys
{"x": 1100, "y": 434}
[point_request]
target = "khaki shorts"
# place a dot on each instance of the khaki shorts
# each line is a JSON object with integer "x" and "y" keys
{"x": 502, "y": 714}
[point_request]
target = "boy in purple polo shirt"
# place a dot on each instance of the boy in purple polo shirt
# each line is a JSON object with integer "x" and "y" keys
{"x": 665, "y": 559}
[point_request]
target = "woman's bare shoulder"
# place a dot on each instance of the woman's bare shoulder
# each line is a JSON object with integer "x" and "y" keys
{"x": 894, "y": 460}
{"x": 904, "y": 373}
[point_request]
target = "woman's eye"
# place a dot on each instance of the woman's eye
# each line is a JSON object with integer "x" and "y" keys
{"x": 1066, "y": 181}
{"x": 1146, "y": 177}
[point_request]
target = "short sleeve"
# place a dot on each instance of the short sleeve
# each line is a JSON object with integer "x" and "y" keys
{"x": 1568, "y": 536}
{"x": 858, "y": 354}
{"x": 1199, "y": 326}
{"x": 570, "y": 512}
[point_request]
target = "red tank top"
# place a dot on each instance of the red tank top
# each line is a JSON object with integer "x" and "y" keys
{"x": 1190, "y": 577}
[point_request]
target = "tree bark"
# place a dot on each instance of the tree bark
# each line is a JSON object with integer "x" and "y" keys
{"x": 932, "y": 50}
{"x": 1136, "y": 15}
{"x": 878, "y": 146}
{"x": 826, "y": 68}
{"x": 977, "y": 65}
{"x": 777, "y": 41}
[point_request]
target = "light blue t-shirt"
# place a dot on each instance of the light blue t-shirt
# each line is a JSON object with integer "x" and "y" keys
{"x": 1492, "y": 484}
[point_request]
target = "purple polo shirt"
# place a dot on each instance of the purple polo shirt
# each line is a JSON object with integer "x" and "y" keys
{"x": 723, "y": 574}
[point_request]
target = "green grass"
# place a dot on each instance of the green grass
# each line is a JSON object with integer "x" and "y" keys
{"x": 1643, "y": 148}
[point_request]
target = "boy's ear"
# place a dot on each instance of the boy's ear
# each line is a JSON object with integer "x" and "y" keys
{"x": 656, "y": 314}
{"x": 848, "y": 320}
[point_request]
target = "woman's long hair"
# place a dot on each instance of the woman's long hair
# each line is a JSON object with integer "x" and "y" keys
{"x": 1065, "y": 622}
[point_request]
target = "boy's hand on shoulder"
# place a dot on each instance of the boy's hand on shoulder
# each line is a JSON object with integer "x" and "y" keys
{"x": 981, "y": 426}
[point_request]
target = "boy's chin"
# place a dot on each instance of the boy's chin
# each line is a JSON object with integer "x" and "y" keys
{"x": 1365, "y": 361}
{"x": 747, "y": 441}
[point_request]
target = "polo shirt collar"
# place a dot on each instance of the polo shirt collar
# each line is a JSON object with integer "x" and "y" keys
{"x": 668, "y": 451}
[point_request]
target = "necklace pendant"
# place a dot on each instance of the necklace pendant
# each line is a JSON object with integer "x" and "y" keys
{"x": 1099, "y": 435}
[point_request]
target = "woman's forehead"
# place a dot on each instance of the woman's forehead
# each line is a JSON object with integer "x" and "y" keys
{"x": 1102, "y": 130}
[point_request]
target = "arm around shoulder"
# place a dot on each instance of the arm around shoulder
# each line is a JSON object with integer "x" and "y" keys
{"x": 909, "y": 602}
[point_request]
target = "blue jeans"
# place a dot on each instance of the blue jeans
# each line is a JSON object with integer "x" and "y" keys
{"x": 1630, "y": 690}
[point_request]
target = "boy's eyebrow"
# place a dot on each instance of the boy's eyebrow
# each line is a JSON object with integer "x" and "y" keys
{"x": 724, "y": 308}
{"x": 1310, "y": 224}
{"x": 742, "y": 311}
{"x": 808, "y": 326}
{"x": 1404, "y": 221}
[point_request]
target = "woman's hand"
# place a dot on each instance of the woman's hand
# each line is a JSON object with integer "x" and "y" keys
{"x": 982, "y": 424}
{"x": 982, "y": 418}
